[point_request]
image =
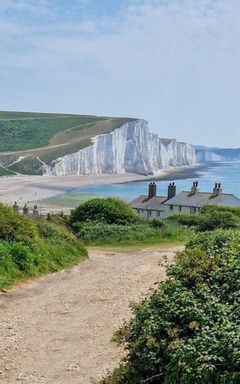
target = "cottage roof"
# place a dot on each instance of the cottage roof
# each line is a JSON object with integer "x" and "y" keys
{"x": 199, "y": 199}
{"x": 154, "y": 203}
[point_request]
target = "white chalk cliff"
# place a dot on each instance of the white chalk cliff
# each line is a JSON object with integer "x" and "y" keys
{"x": 132, "y": 148}
{"x": 207, "y": 156}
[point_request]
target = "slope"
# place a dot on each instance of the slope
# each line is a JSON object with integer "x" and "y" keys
{"x": 29, "y": 139}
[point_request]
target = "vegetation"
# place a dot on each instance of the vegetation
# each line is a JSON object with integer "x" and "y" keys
{"x": 107, "y": 211}
{"x": 188, "y": 331}
{"x": 210, "y": 218}
{"x": 25, "y": 131}
{"x": 46, "y": 136}
{"x": 31, "y": 247}
{"x": 112, "y": 222}
{"x": 98, "y": 234}
{"x": 65, "y": 200}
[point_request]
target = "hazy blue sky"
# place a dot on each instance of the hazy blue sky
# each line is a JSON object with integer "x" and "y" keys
{"x": 175, "y": 63}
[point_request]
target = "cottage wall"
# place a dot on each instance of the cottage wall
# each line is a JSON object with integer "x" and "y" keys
{"x": 149, "y": 214}
{"x": 152, "y": 214}
{"x": 176, "y": 210}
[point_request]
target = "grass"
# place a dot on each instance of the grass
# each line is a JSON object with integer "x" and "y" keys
{"x": 66, "y": 200}
{"x": 24, "y": 133}
{"x": 31, "y": 247}
{"x": 47, "y": 136}
{"x": 45, "y": 257}
{"x": 132, "y": 236}
{"x": 128, "y": 248}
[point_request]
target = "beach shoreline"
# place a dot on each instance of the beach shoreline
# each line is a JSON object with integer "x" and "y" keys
{"x": 25, "y": 189}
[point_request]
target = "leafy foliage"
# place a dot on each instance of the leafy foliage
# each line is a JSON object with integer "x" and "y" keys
{"x": 30, "y": 247}
{"x": 107, "y": 211}
{"x": 188, "y": 331}
{"x": 96, "y": 233}
{"x": 16, "y": 228}
{"x": 210, "y": 218}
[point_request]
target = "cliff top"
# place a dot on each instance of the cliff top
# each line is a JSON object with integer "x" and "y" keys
{"x": 47, "y": 135}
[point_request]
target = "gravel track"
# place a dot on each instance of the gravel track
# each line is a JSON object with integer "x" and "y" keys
{"x": 57, "y": 329}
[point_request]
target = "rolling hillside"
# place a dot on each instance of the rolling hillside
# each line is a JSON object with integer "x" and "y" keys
{"x": 30, "y": 139}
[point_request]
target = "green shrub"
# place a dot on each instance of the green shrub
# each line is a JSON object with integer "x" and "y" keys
{"x": 215, "y": 208}
{"x": 15, "y": 227}
{"x": 218, "y": 219}
{"x": 155, "y": 223}
{"x": 107, "y": 211}
{"x": 209, "y": 219}
{"x": 60, "y": 219}
{"x": 188, "y": 331}
{"x": 29, "y": 247}
{"x": 185, "y": 219}
{"x": 49, "y": 230}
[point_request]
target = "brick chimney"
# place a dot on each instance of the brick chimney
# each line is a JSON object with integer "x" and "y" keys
{"x": 195, "y": 188}
{"x": 152, "y": 190}
{"x": 217, "y": 190}
{"x": 171, "y": 190}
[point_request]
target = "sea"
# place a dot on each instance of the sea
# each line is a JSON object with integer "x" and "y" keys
{"x": 226, "y": 173}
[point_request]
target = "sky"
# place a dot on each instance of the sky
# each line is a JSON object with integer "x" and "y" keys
{"x": 175, "y": 63}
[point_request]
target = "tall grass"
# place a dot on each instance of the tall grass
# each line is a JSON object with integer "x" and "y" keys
{"x": 31, "y": 247}
{"x": 98, "y": 234}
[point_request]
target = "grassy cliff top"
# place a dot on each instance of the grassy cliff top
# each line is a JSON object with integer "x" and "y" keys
{"x": 22, "y": 131}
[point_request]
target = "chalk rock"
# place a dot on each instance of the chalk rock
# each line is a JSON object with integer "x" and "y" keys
{"x": 132, "y": 148}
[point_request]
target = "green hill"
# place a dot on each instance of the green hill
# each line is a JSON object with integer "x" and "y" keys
{"x": 29, "y": 138}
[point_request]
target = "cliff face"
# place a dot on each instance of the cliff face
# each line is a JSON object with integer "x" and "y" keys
{"x": 220, "y": 154}
{"x": 207, "y": 156}
{"x": 132, "y": 148}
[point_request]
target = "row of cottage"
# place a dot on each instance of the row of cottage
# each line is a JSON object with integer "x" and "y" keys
{"x": 154, "y": 206}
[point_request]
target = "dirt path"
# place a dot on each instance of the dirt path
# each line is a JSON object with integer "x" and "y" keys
{"x": 57, "y": 329}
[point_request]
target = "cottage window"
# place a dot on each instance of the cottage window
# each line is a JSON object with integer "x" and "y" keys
{"x": 171, "y": 207}
{"x": 158, "y": 213}
{"x": 149, "y": 213}
{"x": 180, "y": 208}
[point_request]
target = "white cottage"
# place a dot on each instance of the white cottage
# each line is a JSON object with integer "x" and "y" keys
{"x": 153, "y": 206}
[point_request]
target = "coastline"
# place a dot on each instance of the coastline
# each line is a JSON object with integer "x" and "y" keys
{"x": 176, "y": 173}
{"x": 25, "y": 189}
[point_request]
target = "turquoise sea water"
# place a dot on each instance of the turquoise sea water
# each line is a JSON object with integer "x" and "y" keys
{"x": 228, "y": 174}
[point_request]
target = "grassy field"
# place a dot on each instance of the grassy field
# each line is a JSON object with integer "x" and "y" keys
{"x": 64, "y": 201}
{"x": 47, "y": 136}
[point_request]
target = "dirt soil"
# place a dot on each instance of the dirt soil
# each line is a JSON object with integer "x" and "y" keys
{"x": 57, "y": 329}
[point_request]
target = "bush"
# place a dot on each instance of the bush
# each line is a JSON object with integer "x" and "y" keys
{"x": 185, "y": 219}
{"x": 155, "y": 223}
{"x": 188, "y": 331}
{"x": 29, "y": 247}
{"x": 209, "y": 219}
{"x": 49, "y": 230}
{"x": 15, "y": 227}
{"x": 107, "y": 211}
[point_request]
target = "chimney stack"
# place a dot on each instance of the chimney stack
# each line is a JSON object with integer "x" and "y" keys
{"x": 217, "y": 190}
{"x": 171, "y": 190}
{"x": 152, "y": 190}
{"x": 195, "y": 188}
